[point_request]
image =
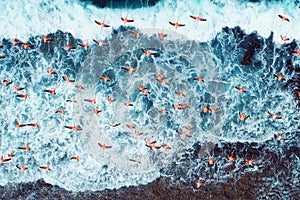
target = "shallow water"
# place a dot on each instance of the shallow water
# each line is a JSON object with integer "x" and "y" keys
{"x": 232, "y": 57}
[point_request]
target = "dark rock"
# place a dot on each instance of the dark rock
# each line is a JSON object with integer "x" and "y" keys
{"x": 121, "y": 3}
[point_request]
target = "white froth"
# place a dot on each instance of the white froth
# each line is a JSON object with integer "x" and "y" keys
{"x": 24, "y": 19}
{"x": 96, "y": 167}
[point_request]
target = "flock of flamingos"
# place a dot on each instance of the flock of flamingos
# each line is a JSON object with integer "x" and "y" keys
{"x": 145, "y": 91}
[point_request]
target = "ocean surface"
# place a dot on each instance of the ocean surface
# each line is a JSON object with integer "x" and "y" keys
{"x": 195, "y": 74}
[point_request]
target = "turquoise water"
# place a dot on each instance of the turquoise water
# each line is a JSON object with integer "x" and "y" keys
{"x": 207, "y": 49}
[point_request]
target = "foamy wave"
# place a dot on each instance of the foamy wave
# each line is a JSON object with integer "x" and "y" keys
{"x": 180, "y": 61}
{"x": 32, "y": 17}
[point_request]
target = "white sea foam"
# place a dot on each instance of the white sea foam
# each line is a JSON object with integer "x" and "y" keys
{"x": 32, "y": 17}
{"x": 98, "y": 169}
